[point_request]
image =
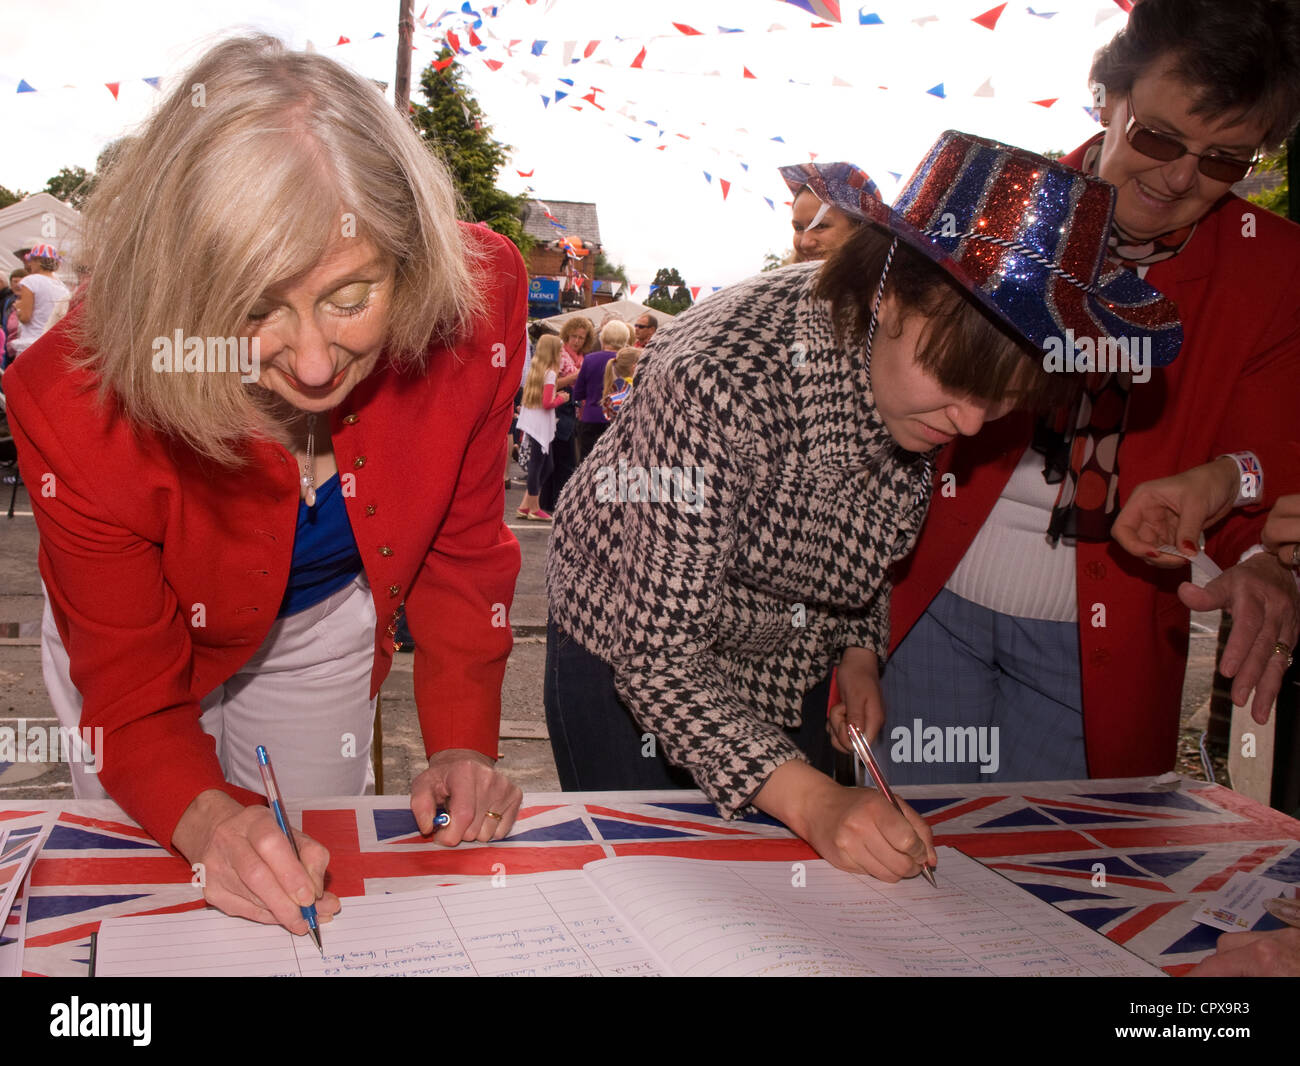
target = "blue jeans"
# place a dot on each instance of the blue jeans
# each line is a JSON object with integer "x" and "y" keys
{"x": 964, "y": 666}
{"x": 597, "y": 743}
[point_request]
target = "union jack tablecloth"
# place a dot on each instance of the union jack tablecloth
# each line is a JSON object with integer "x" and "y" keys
{"x": 1162, "y": 853}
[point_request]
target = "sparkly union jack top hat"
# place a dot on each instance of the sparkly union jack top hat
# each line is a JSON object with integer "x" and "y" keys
{"x": 1028, "y": 237}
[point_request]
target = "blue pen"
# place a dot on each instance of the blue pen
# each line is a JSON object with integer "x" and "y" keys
{"x": 441, "y": 819}
{"x": 273, "y": 800}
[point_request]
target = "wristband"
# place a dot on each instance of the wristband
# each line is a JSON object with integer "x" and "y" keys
{"x": 1250, "y": 484}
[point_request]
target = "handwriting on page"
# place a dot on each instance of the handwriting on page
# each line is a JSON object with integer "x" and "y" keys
{"x": 707, "y": 918}
{"x": 551, "y": 924}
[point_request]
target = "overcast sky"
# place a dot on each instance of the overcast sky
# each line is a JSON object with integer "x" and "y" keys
{"x": 819, "y": 90}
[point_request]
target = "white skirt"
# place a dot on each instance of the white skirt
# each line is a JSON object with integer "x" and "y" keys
{"x": 304, "y": 696}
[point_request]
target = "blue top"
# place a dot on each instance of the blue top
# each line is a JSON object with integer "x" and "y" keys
{"x": 589, "y": 386}
{"x": 325, "y": 556}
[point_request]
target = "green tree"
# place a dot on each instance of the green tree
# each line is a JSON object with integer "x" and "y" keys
{"x": 7, "y": 197}
{"x": 662, "y": 299}
{"x": 71, "y": 185}
{"x": 603, "y": 269}
{"x": 775, "y": 259}
{"x": 1274, "y": 199}
{"x": 451, "y": 123}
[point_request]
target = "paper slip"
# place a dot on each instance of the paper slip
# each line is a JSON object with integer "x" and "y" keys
{"x": 18, "y": 850}
{"x": 1239, "y": 905}
{"x": 1200, "y": 559}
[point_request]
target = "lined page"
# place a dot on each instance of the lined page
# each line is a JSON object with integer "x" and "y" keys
{"x": 548, "y": 924}
{"x": 203, "y": 943}
{"x": 706, "y": 918}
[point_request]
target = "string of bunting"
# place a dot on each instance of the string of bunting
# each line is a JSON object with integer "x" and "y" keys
{"x": 470, "y": 20}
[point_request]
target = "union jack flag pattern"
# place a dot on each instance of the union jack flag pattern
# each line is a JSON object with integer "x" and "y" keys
{"x": 1130, "y": 861}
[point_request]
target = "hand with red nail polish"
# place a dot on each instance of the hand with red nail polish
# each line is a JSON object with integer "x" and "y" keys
{"x": 1174, "y": 510}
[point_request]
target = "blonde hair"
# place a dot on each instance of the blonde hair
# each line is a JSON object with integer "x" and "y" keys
{"x": 614, "y": 335}
{"x": 227, "y": 193}
{"x": 573, "y": 325}
{"x": 623, "y": 365}
{"x": 546, "y": 356}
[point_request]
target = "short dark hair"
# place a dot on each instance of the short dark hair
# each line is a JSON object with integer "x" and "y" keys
{"x": 1241, "y": 59}
{"x": 963, "y": 346}
{"x": 653, "y": 321}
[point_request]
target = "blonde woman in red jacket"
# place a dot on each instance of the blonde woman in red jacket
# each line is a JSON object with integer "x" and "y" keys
{"x": 278, "y": 414}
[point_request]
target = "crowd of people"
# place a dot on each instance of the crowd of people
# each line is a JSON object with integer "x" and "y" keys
{"x": 879, "y": 496}
{"x": 554, "y": 428}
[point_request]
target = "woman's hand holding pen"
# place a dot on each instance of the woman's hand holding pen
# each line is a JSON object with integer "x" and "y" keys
{"x": 853, "y": 828}
{"x": 481, "y": 802}
{"x": 858, "y": 679}
{"x": 248, "y": 866}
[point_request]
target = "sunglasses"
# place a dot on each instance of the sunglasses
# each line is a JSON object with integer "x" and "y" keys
{"x": 1166, "y": 148}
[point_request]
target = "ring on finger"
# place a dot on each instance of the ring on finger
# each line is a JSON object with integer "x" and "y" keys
{"x": 1295, "y": 556}
{"x": 1281, "y": 649}
{"x": 493, "y": 814}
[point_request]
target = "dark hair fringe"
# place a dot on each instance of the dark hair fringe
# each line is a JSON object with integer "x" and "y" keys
{"x": 1241, "y": 58}
{"x": 963, "y": 346}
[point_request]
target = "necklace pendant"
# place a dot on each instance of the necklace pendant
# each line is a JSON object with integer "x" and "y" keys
{"x": 310, "y": 497}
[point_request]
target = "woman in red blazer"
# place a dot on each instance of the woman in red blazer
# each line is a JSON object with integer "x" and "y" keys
{"x": 286, "y": 393}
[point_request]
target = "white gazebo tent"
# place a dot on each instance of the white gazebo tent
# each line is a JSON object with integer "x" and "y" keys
{"x": 40, "y": 219}
{"x": 623, "y": 310}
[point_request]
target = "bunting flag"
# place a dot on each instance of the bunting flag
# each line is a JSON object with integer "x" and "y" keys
{"x": 822, "y": 9}
{"x": 113, "y": 86}
{"x": 23, "y": 87}
{"x": 989, "y": 19}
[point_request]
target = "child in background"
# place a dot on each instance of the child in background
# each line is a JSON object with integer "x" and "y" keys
{"x": 618, "y": 380}
{"x": 537, "y": 421}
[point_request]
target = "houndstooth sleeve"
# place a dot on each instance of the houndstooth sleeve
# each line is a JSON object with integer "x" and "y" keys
{"x": 673, "y": 561}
